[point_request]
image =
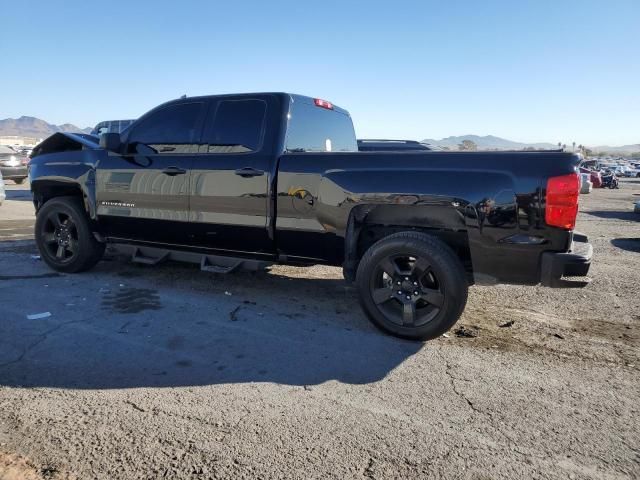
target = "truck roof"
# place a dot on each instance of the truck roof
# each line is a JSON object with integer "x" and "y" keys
{"x": 292, "y": 96}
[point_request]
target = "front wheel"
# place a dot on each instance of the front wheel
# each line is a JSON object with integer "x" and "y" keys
{"x": 412, "y": 285}
{"x": 64, "y": 236}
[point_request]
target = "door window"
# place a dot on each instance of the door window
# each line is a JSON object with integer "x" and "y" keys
{"x": 235, "y": 126}
{"x": 170, "y": 130}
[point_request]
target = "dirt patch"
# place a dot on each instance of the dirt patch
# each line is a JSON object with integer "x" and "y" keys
{"x": 15, "y": 467}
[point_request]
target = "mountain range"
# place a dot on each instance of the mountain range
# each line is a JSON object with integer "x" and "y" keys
{"x": 35, "y": 127}
{"x": 487, "y": 142}
{"x": 490, "y": 142}
{"x": 621, "y": 149}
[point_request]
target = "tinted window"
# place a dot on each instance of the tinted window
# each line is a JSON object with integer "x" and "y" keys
{"x": 236, "y": 127}
{"x": 169, "y": 130}
{"x": 316, "y": 129}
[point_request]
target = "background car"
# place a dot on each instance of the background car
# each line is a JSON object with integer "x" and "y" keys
{"x": 634, "y": 171}
{"x": 595, "y": 177}
{"x": 585, "y": 185}
{"x": 13, "y": 166}
{"x": 379, "y": 145}
{"x": 25, "y": 151}
{"x": 111, "y": 126}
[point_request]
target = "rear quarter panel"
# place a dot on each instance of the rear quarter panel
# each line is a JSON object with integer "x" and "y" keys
{"x": 489, "y": 197}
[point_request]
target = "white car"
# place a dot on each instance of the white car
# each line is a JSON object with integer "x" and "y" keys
{"x": 585, "y": 183}
{"x": 627, "y": 171}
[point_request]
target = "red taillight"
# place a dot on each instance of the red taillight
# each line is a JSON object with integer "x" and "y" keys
{"x": 562, "y": 201}
{"x": 323, "y": 103}
{"x": 25, "y": 160}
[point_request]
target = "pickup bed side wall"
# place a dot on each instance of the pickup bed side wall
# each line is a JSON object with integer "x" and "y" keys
{"x": 492, "y": 202}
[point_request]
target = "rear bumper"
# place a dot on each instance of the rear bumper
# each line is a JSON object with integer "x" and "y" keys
{"x": 9, "y": 173}
{"x": 574, "y": 263}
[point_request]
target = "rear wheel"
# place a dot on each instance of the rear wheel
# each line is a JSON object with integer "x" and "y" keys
{"x": 64, "y": 237}
{"x": 19, "y": 181}
{"x": 412, "y": 285}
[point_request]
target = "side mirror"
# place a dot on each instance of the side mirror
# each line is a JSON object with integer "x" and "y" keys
{"x": 111, "y": 142}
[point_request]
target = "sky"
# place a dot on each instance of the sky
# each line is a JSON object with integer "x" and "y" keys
{"x": 526, "y": 70}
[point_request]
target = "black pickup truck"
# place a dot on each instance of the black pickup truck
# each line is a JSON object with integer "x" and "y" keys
{"x": 248, "y": 180}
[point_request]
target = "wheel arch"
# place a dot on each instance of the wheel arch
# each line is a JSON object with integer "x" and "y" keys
{"x": 44, "y": 190}
{"x": 368, "y": 224}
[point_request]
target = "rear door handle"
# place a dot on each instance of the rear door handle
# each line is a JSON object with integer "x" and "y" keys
{"x": 247, "y": 172}
{"x": 171, "y": 171}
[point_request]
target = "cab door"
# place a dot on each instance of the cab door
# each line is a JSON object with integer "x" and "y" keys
{"x": 143, "y": 193}
{"x": 230, "y": 178}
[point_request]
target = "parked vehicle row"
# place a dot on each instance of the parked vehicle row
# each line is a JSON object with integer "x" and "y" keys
{"x": 604, "y": 178}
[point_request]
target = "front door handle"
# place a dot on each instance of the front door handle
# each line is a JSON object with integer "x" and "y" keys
{"x": 247, "y": 172}
{"x": 172, "y": 171}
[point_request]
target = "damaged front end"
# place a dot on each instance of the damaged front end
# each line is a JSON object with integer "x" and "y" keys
{"x": 66, "y": 142}
{"x": 64, "y": 165}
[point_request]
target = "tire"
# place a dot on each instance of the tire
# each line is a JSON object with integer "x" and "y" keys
{"x": 425, "y": 291}
{"x": 19, "y": 181}
{"x": 64, "y": 236}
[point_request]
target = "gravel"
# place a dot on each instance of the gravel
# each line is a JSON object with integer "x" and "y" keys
{"x": 148, "y": 372}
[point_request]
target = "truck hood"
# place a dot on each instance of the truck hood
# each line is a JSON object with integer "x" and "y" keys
{"x": 64, "y": 142}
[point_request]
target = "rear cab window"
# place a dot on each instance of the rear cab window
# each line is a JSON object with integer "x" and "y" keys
{"x": 235, "y": 126}
{"x": 313, "y": 128}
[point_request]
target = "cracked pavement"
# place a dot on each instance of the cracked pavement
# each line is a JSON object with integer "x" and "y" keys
{"x": 147, "y": 372}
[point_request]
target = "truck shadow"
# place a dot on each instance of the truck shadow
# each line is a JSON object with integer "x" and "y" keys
{"x": 615, "y": 214}
{"x": 630, "y": 244}
{"x": 172, "y": 326}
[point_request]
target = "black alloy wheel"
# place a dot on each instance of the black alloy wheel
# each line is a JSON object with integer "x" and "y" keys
{"x": 406, "y": 290}
{"x": 412, "y": 285}
{"x": 64, "y": 236}
{"x": 60, "y": 236}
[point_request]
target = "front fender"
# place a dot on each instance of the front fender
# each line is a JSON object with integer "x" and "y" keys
{"x": 64, "y": 173}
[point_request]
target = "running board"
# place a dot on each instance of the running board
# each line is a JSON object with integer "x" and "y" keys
{"x": 208, "y": 263}
{"x": 138, "y": 257}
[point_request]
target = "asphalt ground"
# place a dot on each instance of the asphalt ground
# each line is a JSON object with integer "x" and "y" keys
{"x": 168, "y": 372}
